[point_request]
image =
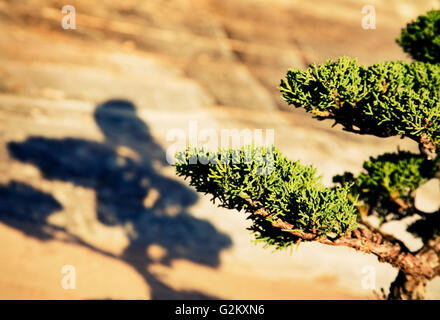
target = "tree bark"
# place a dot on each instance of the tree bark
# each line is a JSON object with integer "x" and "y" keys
{"x": 407, "y": 287}
{"x": 416, "y": 269}
{"x": 369, "y": 239}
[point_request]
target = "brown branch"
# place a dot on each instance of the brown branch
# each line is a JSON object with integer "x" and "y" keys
{"x": 427, "y": 147}
{"x": 399, "y": 201}
{"x": 369, "y": 239}
{"x": 429, "y": 254}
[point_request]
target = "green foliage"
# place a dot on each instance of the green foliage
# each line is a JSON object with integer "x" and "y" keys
{"x": 286, "y": 189}
{"x": 387, "y": 184}
{"x": 421, "y": 38}
{"x": 385, "y": 99}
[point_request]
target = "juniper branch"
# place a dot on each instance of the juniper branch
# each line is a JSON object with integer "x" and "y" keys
{"x": 385, "y": 99}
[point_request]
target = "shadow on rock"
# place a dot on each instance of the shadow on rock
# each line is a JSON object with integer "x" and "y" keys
{"x": 129, "y": 191}
{"x": 24, "y": 207}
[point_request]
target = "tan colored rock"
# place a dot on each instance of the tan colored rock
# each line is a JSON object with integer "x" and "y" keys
{"x": 428, "y": 196}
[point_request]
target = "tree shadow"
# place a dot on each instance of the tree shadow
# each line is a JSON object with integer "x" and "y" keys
{"x": 129, "y": 190}
{"x": 24, "y": 207}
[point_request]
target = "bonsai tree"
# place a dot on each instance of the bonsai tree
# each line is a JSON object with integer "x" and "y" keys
{"x": 287, "y": 202}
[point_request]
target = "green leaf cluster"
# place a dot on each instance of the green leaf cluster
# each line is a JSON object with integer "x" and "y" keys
{"x": 421, "y": 38}
{"x": 385, "y": 99}
{"x": 387, "y": 183}
{"x": 289, "y": 191}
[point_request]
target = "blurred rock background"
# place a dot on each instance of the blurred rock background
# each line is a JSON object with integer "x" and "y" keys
{"x": 76, "y": 191}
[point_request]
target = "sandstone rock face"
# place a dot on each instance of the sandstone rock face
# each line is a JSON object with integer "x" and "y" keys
{"x": 99, "y": 191}
{"x": 428, "y": 196}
